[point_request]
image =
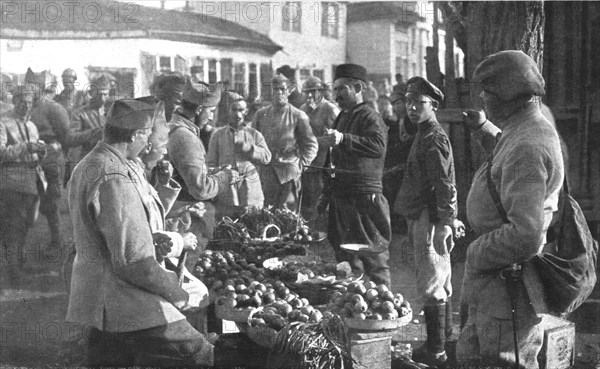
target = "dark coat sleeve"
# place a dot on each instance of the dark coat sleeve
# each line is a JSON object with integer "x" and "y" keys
{"x": 371, "y": 141}
{"x": 440, "y": 174}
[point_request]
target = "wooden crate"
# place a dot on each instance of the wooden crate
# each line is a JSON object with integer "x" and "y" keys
{"x": 373, "y": 353}
{"x": 558, "y": 350}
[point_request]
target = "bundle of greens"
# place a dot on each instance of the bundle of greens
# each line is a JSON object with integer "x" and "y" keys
{"x": 317, "y": 345}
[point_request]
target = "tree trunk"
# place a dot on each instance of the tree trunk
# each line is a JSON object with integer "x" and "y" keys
{"x": 496, "y": 26}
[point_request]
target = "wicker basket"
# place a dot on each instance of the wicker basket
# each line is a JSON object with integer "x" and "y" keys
{"x": 262, "y": 335}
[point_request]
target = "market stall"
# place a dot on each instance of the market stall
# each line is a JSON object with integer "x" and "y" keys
{"x": 270, "y": 275}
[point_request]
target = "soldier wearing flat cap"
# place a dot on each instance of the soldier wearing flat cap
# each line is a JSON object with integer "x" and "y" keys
{"x": 358, "y": 211}
{"x": 529, "y": 145}
{"x": 428, "y": 200}
{"x": 20, "y": 153}
{"x": 132, "y": 304}
{"x": 291, "y": 142}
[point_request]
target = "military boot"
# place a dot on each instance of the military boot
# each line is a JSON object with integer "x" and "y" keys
{"x": 433, "y": 353}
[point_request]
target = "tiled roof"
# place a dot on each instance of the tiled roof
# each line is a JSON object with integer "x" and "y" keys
{"x": 99, "y": 19}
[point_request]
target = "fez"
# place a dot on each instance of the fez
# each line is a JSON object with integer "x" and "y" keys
{"x": 200, "y": 95}
{"x": 509, "y": 74}
{"x": 130, "y": 114}
{"x": 419, "y": 85}
{"x": 354, "y": 71}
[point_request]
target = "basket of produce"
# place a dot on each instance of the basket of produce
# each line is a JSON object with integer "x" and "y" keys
{"x": 258, "y": 330}
{"x": 367, "y": 306}
{"x": 316, "y": 345}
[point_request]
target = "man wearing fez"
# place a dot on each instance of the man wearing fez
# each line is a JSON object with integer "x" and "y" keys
{"x": 321, "y": 114}
{"x": 70, "y": 98}
{"x": 428, "y": 200}
{"x": 169, "y": 88}
{"x": 358, "y": 211}
{"x": 119, "y": 289}
{"x": 52, "y": 122}
{"x": 527, "y": 171}
{"x": 291, "y": 142}
{"x": 20, "y": 153}
{"x": 244, "y": 148}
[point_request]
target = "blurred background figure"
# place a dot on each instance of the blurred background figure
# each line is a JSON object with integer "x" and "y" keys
{"x": 295, "y": 96}
{"x": 401, "y": 133}
{"x": 70, "y": 98}
{"x": 20, "y": 154}
{"x": 371, "y": 95}
{"x": 400, "y": 86}
{"x": 321, "y": 114}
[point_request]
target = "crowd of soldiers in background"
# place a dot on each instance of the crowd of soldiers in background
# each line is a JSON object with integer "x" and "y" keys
{"x": 70, "y": 122}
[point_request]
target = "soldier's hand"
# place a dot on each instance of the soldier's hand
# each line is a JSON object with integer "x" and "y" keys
{"x": 190, "y": 242}
{"x": 198, "y": 209}
{"x": 240, "y": 144}
{"x": 163, "y": 245}
{"x": 333, "y": 137}
{"x": 458, "y": 229}
{"x": 164, "y": 172}
{"x": 37, "y": 147}
{"x": 474, "y": 118}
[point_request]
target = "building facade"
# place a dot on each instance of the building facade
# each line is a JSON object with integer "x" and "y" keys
{"x": 392, "y": 37}
{"x": 133, "y": 50}
{"x": 312, "y": 34}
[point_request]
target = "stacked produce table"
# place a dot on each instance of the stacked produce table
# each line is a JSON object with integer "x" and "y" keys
{"x": 287, "y": 295}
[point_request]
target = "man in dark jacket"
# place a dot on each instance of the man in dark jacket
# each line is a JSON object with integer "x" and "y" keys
{"x": 358, "y": 211}
{"x": 428, "y": 200}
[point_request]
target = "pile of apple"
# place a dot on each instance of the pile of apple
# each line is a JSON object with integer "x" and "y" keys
{"x": 259, "y": 252}
{"x": 367, "y": 300}
{"x": 219, "y": 268}
{"x": 312, "y": 269}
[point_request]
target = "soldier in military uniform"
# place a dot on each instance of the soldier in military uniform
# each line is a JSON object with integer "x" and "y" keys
{"x": 70, "y": 98}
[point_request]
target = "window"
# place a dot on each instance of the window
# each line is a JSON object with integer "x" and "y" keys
{"x": 413, "y": 39}
{"x": 330, "y": 19}
{"x": 239, "y": 78}
{"x": 212, "y": 71}
{"x": 304, "y": 74}
{"x": 227, "y": 71}
{"x": 252, "y": 82}
{"x": 266, "y": 73}
{"x": 319, "y": 73}
{"x": 291, "y": 16}
{"x": 164, "y": 63}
